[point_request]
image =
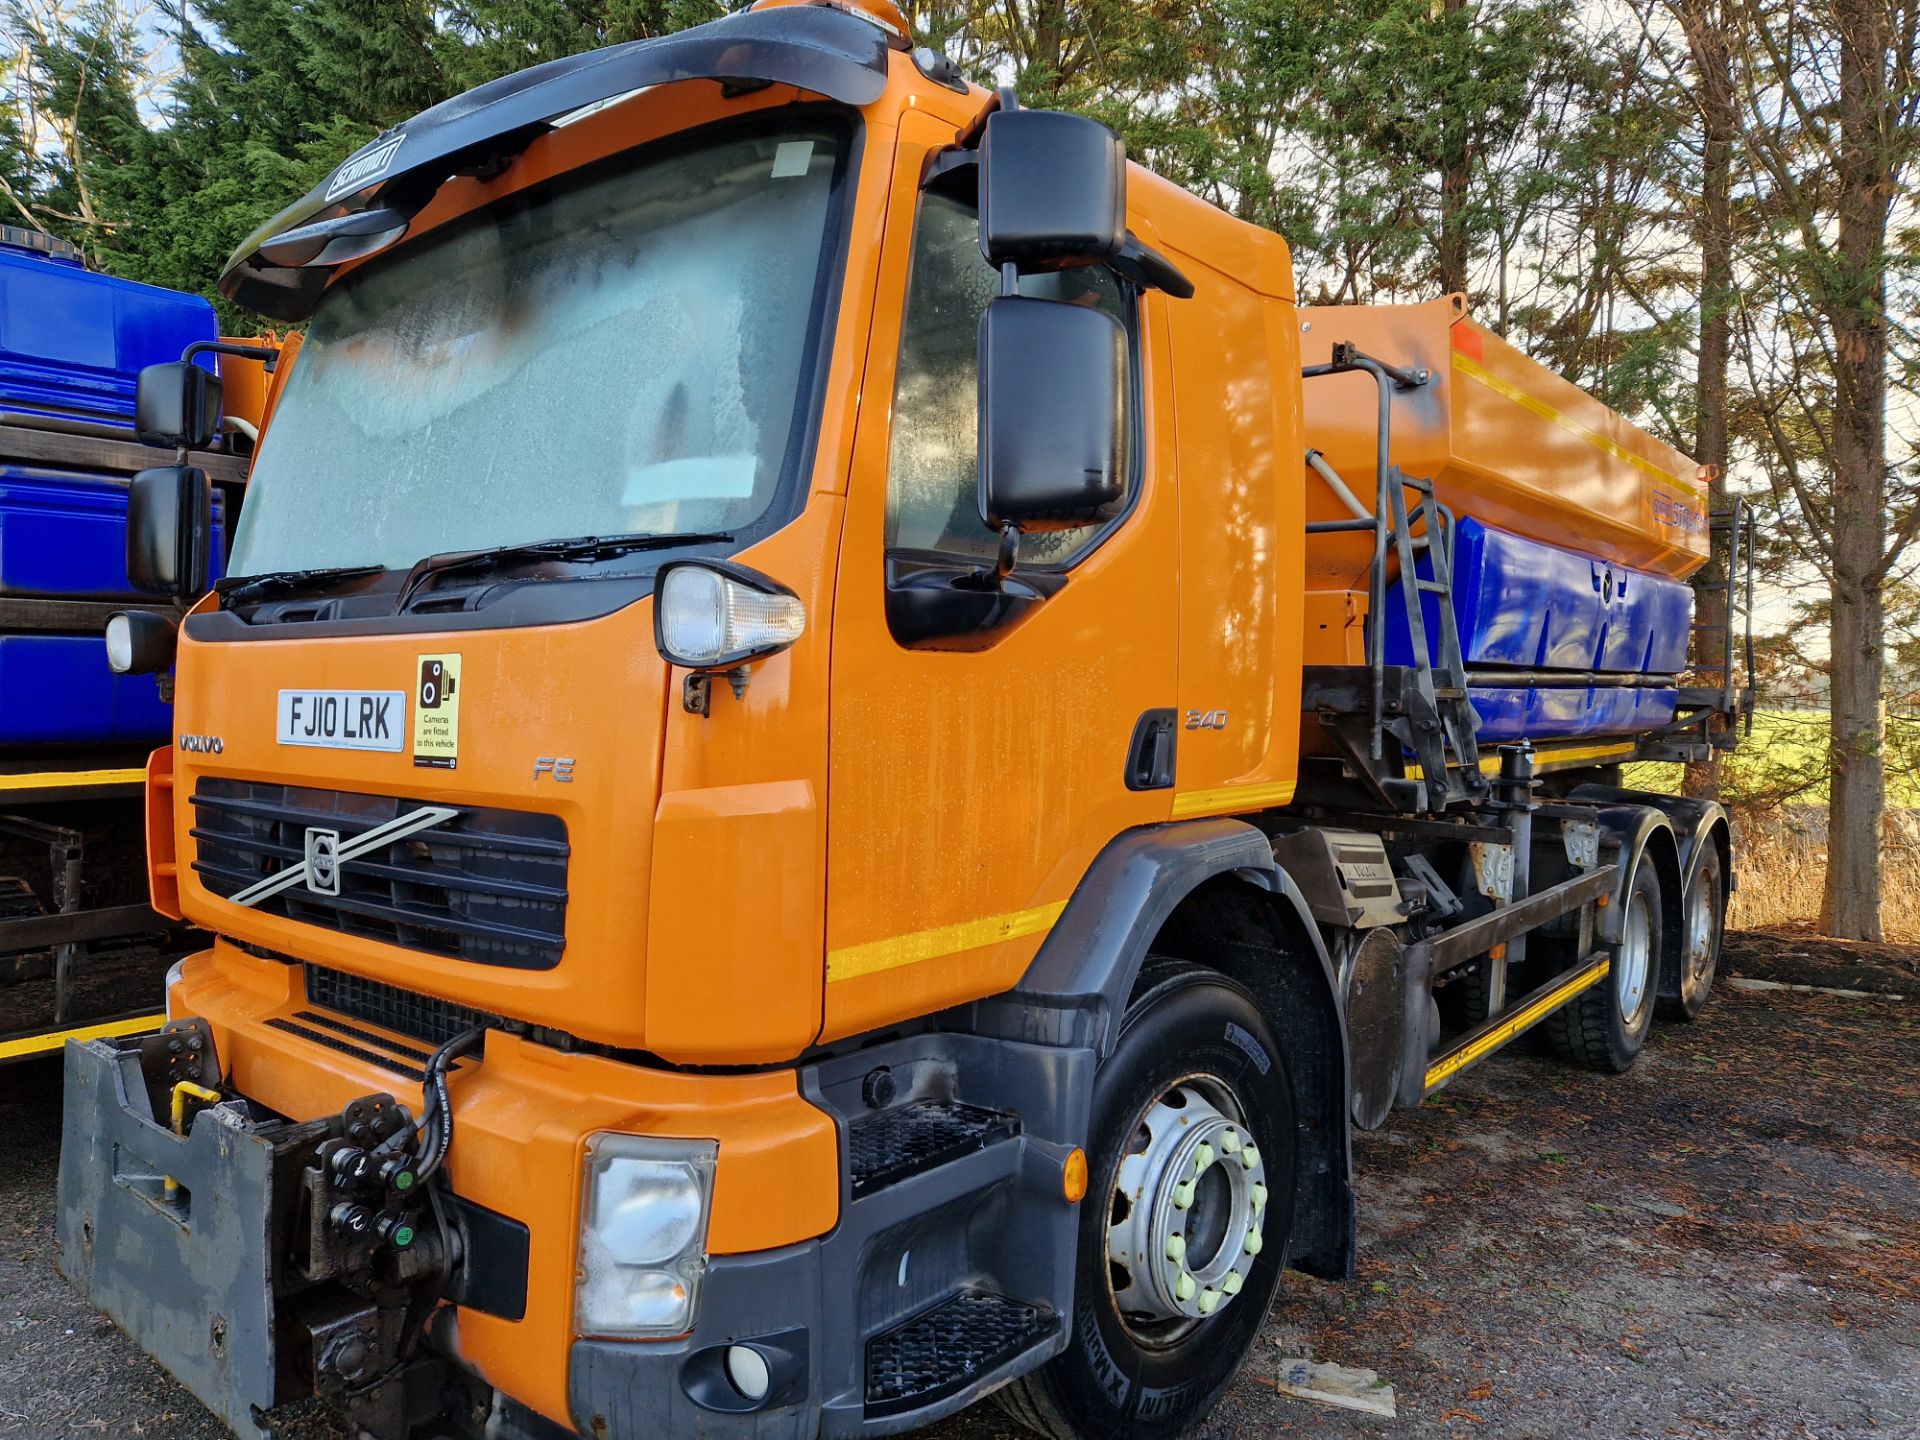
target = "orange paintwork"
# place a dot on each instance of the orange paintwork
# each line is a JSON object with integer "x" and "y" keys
{"x": 525, "y": 1113}
{"x": 163, "y": 866}
{"x": 870, "y": 833}
{"x": 1503, "y": 438}
{"x": 244, "y": 383}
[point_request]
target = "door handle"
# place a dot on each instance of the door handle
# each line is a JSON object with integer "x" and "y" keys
{"x": 1150, "y": 752}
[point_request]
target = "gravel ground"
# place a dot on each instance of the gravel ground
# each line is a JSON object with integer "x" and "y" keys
{"x": 1725, "y": 1242}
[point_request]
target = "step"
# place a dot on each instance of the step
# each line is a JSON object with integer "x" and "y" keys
{"x": 888, "y": 1146}
{"x": 941, "y": 1351}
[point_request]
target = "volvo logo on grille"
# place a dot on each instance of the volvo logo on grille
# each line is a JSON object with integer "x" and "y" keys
{"x": 319, "y": 870}
{"x": 323, "y": 861}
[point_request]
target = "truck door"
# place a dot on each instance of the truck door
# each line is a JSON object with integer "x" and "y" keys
{"x": 980, "y": 760}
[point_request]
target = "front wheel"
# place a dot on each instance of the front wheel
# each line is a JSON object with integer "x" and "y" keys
{"x": 1605, "y": 1027}
{"x": 1184, "y": 1229}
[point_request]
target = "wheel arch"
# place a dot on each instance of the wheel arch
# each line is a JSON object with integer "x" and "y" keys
{"x": 1685, "y": 827}
{"x": 1212, "y": 892}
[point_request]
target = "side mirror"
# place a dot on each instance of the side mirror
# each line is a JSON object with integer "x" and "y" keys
{"x": 1052, "y": 442}
{"x": 177, "y": 406}
{"x": 170, "y": 528}
{"x": 1053, "y": 187}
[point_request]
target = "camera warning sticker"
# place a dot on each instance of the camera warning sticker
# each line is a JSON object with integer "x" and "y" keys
{"x": 436, "y": 713}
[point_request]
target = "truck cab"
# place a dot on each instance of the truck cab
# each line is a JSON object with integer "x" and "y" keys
{"x": 739, "y": 778}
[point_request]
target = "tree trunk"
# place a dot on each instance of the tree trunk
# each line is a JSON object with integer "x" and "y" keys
{"x": 1850, "y": 907}
{"x": 1707, "y": 31}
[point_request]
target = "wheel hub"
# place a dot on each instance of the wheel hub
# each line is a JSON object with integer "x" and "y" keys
{"x": 1187, "y": 1209}
{"x": 1636, "y": 947}
{"x": 1699, "y": 929}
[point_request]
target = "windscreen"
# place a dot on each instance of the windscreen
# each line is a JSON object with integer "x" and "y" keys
{"x": 632, "y": 353}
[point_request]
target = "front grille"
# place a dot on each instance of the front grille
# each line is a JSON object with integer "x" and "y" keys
{"x": 391, "y": 1008}
{"x": 486, "y": 885}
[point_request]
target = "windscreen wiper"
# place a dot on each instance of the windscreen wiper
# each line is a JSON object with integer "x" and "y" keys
{"x": 234, "y": 587}
{"x": 580, "y": 547}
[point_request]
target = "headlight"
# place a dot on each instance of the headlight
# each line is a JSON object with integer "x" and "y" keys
{"x": 643, "y": 1241}
{"x": 713, "y": 615}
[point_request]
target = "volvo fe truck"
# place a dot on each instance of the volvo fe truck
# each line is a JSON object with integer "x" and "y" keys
{"x": 839, "y": 751}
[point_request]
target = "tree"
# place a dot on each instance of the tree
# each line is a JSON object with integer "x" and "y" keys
{"x": 1829, "y": 124}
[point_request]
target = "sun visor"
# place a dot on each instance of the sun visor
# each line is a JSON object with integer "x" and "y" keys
{"x": 812, "y": 47}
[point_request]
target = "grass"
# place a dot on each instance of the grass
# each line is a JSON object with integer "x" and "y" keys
{"x": 1784, "y": 762}
{"x": 1775, "y": 783}
{"x": 1781, "y": 860}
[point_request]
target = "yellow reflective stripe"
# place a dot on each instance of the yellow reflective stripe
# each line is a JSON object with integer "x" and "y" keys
{"x": 1231, "y": 797}
{"x": 39, "y": 1044}
{"x": 852, "y": 961}
{"x": 1472, "y": 368}
{"x": 1490, "y": 765}
{"x": 1514, "y": 1024}
{"x": 66, "y": 779}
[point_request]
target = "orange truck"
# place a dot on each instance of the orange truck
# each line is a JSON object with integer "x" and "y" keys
{"x": 839, "y": 751}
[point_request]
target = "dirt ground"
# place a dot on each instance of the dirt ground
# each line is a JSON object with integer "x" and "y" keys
{"x": 1724, "y": 1242}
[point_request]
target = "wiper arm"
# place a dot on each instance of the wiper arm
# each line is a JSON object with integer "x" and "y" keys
{"x": 580, "y": 547}
{"x": 231, "y": 587}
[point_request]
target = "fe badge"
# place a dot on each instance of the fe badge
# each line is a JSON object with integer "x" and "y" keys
{"x": 436, "y": 713}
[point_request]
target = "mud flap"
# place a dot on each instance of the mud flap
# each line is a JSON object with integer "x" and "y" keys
{"x": 184, "y": 1268}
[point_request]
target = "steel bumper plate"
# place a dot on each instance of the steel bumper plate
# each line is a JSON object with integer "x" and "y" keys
{"x": 187, "y": 1274}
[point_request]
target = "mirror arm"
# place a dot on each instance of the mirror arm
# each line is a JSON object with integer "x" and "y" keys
{"x": 1150, "y": 270}
{"x": 267, "y": 354}
{"x": 1009, "y": 551}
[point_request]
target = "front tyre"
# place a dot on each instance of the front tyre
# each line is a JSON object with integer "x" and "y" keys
{"x": 1184, "y": 1228}
{"x": 1605, "y": 1026}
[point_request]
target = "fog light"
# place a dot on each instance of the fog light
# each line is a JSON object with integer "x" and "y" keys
{"x": 747, "y": 1370}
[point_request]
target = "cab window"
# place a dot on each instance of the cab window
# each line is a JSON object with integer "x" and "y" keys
{"x": 933, "y": 504}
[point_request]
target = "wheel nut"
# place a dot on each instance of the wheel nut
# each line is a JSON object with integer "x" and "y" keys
{"x": 1186, "y": 1287}
{"x": 1209, "y": 1301}
{"x": 1250, "y": 1156}
{"x": 1230, "y": 1142}
{"x": 1203, "y": 1156}
{"x": 1258, "y": 1195}
{"x": 1254, "y": 1242}
{"x": 1183, "y": 1196}
{"x": 1232, "y": 1283}
{"x": 1176, "y": 1248}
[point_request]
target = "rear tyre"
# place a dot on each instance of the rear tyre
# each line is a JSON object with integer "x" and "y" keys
{"x": 1606, "y": 1026}
{"x": 1184, "y": 1229}
{"x": 1703, "y": 927}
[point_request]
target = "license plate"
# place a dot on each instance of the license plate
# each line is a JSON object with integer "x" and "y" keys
{"x": 343, "y": 719}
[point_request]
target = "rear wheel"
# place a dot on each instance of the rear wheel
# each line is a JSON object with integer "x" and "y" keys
{"x": 1606, "y": 1026}
{"x": 1184, "y": 1228}
{"x": 1703, "y": 925}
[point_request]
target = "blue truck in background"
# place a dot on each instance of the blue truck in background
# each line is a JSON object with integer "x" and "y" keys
{"x": 81, "y": 952}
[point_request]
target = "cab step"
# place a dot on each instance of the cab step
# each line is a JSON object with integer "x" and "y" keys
{"x": 940, "y": 1352}
{"x": 889, "y": 1146}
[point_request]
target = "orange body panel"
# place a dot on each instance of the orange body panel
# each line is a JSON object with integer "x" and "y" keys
{"x": 971, "y": 790}
{"x": 245, "y": 384}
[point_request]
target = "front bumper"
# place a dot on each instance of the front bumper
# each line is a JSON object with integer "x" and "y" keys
{"x": 982, "y": 1241}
